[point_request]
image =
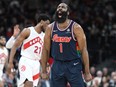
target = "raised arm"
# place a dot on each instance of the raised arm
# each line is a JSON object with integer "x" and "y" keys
{"x": 81, "y": 38}
{"x": 46, "y": 51}
{"x": 11, "y": 41}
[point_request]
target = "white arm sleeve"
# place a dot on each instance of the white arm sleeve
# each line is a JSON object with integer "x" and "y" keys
{"x": 10, "y": 42}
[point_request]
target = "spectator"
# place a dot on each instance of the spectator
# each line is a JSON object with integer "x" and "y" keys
{"x": 3, "y": 59}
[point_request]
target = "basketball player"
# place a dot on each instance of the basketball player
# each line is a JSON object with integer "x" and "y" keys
{"x": 31, "y": 39}
{"x": 65, "y": 37}
{"x": 3, "y": 58}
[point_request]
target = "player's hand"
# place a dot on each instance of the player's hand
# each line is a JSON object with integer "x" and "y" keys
{"x": 87, "y": 77}
{"x": 10, "y": 67}
{"x": 44, "y": 76}
{"x": 16, "y": 30}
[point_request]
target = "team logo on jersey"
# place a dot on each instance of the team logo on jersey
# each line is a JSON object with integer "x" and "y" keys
{"x": 23, "y": 68}
{"x": 57, "y": 38}
{"x": 68, "y": 30}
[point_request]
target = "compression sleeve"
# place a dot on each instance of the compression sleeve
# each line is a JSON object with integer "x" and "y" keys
{"x": 10, "y": 42}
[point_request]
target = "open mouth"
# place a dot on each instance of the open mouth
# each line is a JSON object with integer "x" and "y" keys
{"x": 59, "y": 14}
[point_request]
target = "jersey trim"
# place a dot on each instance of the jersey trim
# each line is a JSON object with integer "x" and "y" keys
{"x": 73, "y": 31}
{"x": 36, "y": 76}
{"x": 64, "y": 28}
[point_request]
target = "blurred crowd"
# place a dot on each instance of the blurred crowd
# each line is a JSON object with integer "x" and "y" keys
{"x": 102, "y": 77}
{"x": 97, "y": 17}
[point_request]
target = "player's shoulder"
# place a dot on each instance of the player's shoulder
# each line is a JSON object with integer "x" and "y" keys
{"x": 5, "y": 49}
{"x": 25, "y": 32}
{"x": 27, "y": 29}
{"x": 77, "y": 28}
{"x": 77, "y": 25}
{"x": 49, "y": 28}
{"x": 50, "y": 25}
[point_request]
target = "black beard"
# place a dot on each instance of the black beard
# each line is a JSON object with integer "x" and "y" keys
{"x": 2, "y": 44}
{"x": 62, "y": 19}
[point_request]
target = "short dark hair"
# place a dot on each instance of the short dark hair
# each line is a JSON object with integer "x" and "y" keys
{"x": 43, "y": 17}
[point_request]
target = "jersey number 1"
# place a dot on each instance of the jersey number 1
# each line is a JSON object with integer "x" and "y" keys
{"x": 61, "y": 48}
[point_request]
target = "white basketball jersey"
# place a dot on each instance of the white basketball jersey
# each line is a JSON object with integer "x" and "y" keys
{"x": 32, "y": 46}
{"x": 3, "y": 57}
